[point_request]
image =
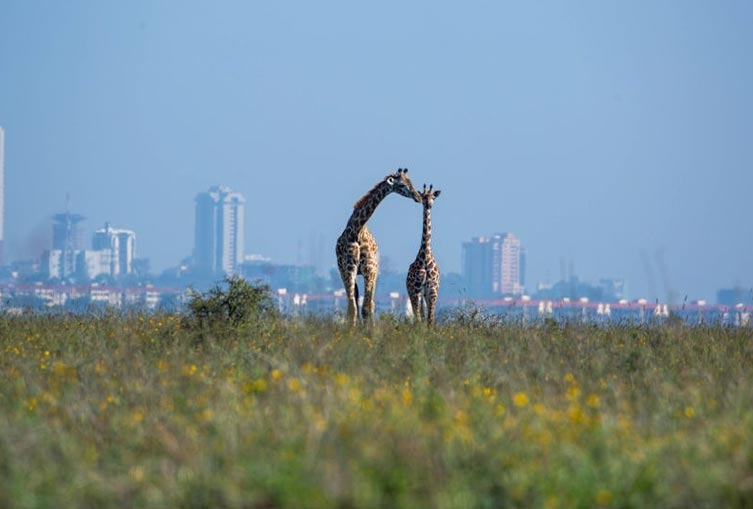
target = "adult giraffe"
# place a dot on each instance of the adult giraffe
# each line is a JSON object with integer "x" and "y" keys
{"x": 356, "y": 249}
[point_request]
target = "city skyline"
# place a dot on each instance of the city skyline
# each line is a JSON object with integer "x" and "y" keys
{"x": 493, "y": 265}
{"x": 612, "y": 138}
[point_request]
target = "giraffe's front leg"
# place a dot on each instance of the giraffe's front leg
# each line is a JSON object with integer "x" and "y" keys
{"x": 430, "y": 296}
{"x": 431, "y": 293}
{"x": 370, "y": 273}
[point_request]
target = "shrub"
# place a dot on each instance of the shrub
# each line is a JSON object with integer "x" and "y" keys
{"x": 233, "y": 303}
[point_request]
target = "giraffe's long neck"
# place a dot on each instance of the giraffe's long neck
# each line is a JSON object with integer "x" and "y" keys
{"x": 426, "y": 237}
{"x": 365, "y": 207}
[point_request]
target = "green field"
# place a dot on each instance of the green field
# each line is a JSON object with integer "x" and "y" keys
{"x": 148, "y": 411}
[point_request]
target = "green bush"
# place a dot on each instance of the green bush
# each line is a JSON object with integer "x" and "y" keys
{"x": 234, "y": 303}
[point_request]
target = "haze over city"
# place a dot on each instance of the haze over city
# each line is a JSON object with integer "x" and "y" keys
{"x": 613, "y": 138}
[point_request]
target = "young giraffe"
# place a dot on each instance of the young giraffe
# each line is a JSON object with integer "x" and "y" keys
{"x": 423, "y": 275}
{"x": 356, "y": 249}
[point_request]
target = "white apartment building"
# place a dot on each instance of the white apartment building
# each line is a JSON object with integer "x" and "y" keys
{"x": 122, "y": 247}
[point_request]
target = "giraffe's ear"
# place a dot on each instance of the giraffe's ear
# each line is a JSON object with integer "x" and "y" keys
{"x": 390, "y": 180}
{"x": 437, "y": 193}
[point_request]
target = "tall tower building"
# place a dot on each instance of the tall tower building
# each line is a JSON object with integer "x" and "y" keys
{"x": 509, "y": 265}
{"x": 218, "y": 246}
{"x": 492, "y": 265}
{"x": 2, "y": 197}
{"x": 121, "y": 243}
{"x": 477, "y": 267}
{"x": 66, "y": 238}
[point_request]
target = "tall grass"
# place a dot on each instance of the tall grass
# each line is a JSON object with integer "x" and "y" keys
{"x": 141, "y": 411}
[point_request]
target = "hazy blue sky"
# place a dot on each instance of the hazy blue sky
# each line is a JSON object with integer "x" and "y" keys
{"x": 599, "y": 132}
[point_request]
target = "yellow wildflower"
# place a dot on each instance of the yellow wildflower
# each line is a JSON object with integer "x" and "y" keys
{"x": 575, "y": 414}
{"x": 520, "y": 399}
{"x": 407, "y": 396}
{"x": 137, "y": 415}
{"x": 573, "y": 393}
{"x": 593, "y": 401}
{"x": 294, "y": 385}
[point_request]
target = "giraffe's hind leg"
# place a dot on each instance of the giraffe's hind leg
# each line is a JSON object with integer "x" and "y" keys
{"x": 413, "y": 288}
{"x": 369, "y": 268}
{"x": 348, "y": 272}
{"x": 415, "y": 304}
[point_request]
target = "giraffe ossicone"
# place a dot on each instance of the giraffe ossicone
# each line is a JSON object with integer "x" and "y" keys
{"x": 356, "y": 249}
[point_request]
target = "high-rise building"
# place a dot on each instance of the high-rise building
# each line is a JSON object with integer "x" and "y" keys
{"x": 477, "y": 267}
{"x": 509, "y": 266}
{"x": 121, "y": 244}
{"x": 218, "y": 246}
{"x": 2, "y": 197}
{"x": 66, "y": 238}
{"x": 492, "y": 265}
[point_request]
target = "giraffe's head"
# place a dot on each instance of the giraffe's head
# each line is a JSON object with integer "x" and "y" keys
{"x": 400, "y": 183}
{"x": 428, "y": 195}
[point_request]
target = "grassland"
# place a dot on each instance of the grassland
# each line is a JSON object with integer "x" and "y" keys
{"x": 141, "y": 411}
